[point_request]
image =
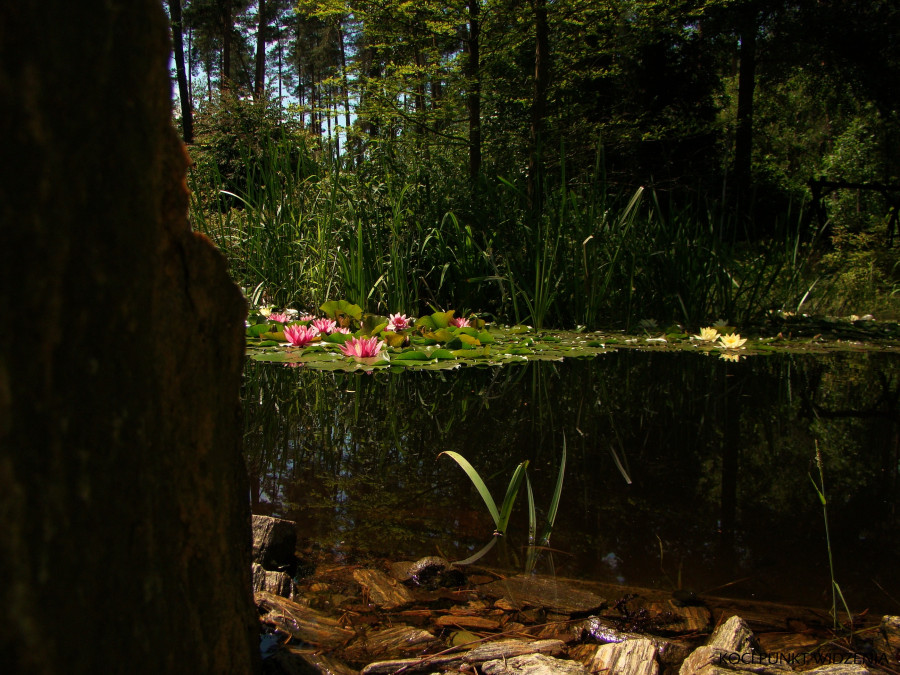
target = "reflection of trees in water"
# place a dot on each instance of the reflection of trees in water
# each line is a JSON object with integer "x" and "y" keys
{"x": 719, "y": 455}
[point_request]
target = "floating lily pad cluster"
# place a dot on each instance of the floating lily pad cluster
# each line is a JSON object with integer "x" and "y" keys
{"x": 351, "y": 340}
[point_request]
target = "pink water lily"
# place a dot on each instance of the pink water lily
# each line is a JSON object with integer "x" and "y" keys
{"x": 324, "y": 326}
{"x": 300, "y": 336}
{"x": 460, "y": 322}
{"x": 280, "y": 318}
{"x": 397, "y": 322}
{"x": 307, "y": 317}
{"x": 362, "y": 347}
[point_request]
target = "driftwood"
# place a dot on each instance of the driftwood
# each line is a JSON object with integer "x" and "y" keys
{"x": 674, "y": 618}
{"x": 554, "y": 594}
{"x": 399, "y": 641}
{"x": 277, "y": 583}
{"x": 533, "y": 664}
{"x": 301, "y": 623}
{"x": 489, "y": 651}
{"x": 383, "y": 591}
{"x": 467, "y": 621}
{"x": 734, "y": 636}
{"x": 631, "y": 657}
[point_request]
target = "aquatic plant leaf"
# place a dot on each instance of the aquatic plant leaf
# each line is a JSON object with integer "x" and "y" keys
{"x": 393, "y": 339}
{"x": 373, "y": 324}
{"x": 442, "y": 319}
{"x": 477, "y": 482}
{"x": 410, "y": 355}
{"x": 424, "y": 341}
{"x": 479, "y": 554}
{"x": 441, "y": 335}
{"x": 277, "y": 335}
{"x": 442, "y": 354}
{"x": 511, "y": 491}
{"x": 554, "y": 502}
{"x": 469, "y": 340}
{"x": 458, "y": 638}
{"x": 426, "y": 323}
{"x": 334, "y": 309}
{"x": 258, "y": 329}
{"x": 336, "y": 338}
{"x": 485, "y": 338}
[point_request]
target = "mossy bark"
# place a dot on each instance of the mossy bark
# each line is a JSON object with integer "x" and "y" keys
{"x": 124, "y": 518}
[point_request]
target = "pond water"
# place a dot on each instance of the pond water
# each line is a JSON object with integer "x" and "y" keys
{"x": 683, "y": 470}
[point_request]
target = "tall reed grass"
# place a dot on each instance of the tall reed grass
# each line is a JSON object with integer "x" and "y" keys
{"x": 300, "y": 232}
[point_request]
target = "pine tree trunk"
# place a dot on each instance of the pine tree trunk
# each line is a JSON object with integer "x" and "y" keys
{"x": 187, "y": 115}
{"x": 473, "y": 98}
{"x": 227, "y": 27}
{"x": 538, "y": 106}
{"x": 260, "y": 74}
{"x": 743, "y": 149}
{"x": 123, "y": 494}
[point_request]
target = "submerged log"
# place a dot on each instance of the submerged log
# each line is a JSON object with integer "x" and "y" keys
{"x": 383, "y": 591}
{"x": 302, "y": 623}
{"x": 554, "y": 594}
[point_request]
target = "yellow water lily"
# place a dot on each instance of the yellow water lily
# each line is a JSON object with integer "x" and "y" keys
{"x": 707, "y": 334}
{"x": 732, "y": 341}
{"x": 730, "y": 356}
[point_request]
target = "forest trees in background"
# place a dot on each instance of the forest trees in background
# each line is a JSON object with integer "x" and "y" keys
{"x": 489, "y": 108}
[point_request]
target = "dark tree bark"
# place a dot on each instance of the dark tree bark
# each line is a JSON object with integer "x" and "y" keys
{"x": 187, "y": 115}
{"x": 743, "y": 146}
{"x": 123, "y": 495}
{"x": 538, "y": 106}
{"x": 473, "y": 98}
{"x": 226, "y": 17}
{"x": 259, "y": 89}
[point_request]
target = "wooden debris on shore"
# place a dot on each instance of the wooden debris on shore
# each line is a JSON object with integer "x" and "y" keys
{"x": 382, "y": 590}
{"x": 634, "y": 657}
{"x": 276, "y": 583}
{"x": 533, "y": 664}
{"x": 301, "y": 623}
{"x": 553, "y": 594}
{"x": 274, "y": 543}
{"x": 489, "y": 651}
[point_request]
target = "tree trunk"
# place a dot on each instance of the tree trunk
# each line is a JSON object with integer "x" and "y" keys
{"x": 123, "y": 494}
{"x": 743, "y": 147}
{"x": 538, "y": 106}
{"x": 187, "y": 115}
{"x": 260, "y": 79}
{"x": 227, "y": 27}
{"x": 473, "y": 98}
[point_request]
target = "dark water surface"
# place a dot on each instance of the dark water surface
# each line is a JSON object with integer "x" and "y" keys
{"x": 719, "y": 456}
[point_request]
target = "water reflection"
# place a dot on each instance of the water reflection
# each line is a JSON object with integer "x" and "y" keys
{"x": 718, "y": 455}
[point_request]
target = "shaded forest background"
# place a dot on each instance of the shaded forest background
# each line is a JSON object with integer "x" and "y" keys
{"x": 567, "y": 162}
